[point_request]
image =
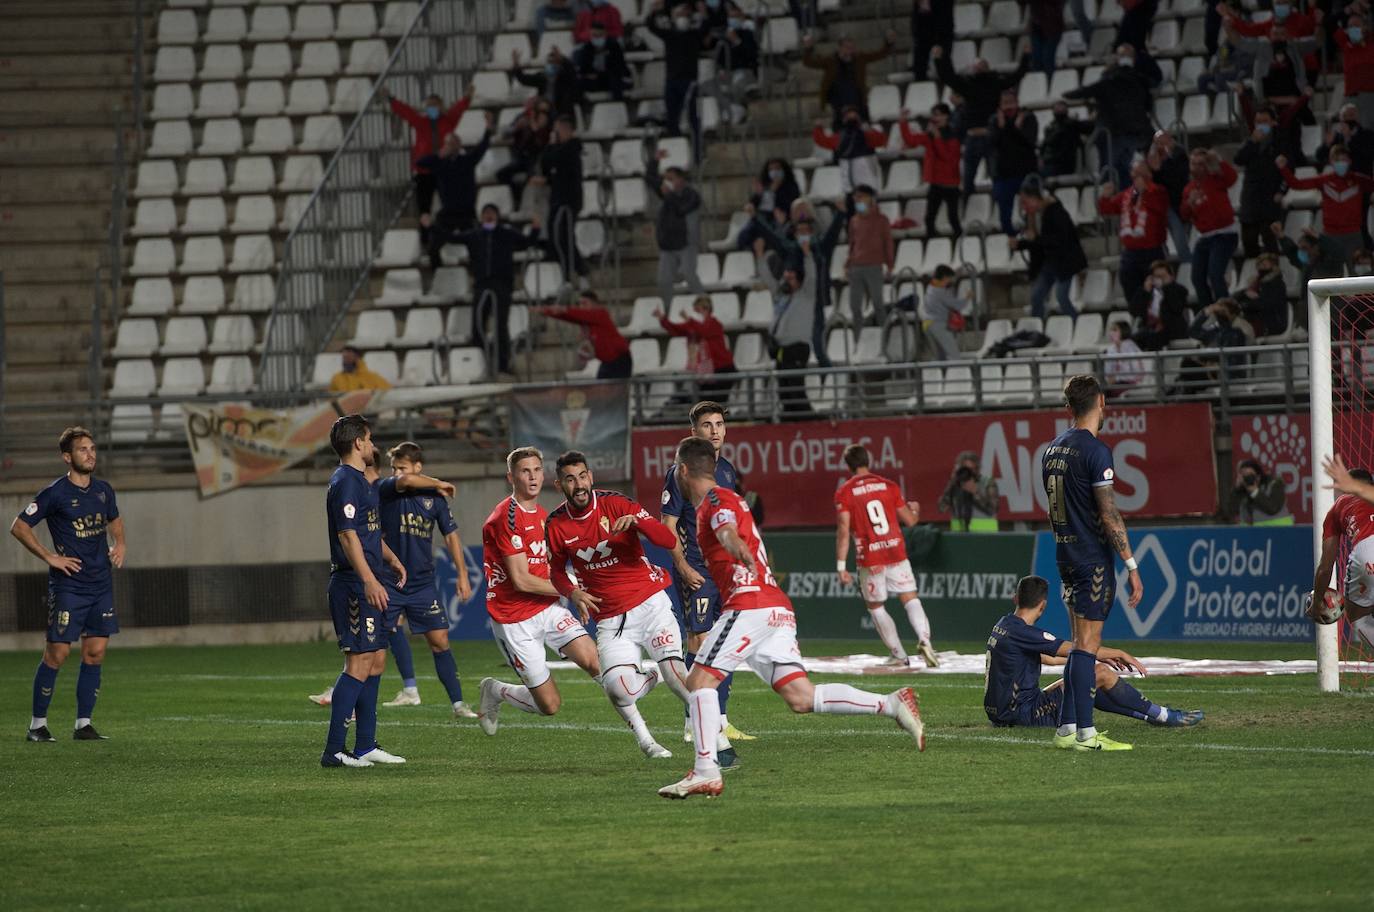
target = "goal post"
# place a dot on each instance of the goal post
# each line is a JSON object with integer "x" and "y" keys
{"x": 1326, "y": 359}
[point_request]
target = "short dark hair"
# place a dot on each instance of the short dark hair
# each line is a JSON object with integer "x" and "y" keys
{"x": 1362, "y": 475}
{"x": 705, "y": 408}
{"x": 406, "y": 450}
{"x": 1081, "y": 393}
{"x": 856, "y": 456}
{"x": 571, "y": 457}
{"x": 345, "y": 432}
{"x": 866, "y": 188}
{"x": 697, "y": 456}
{"x": 1251, "y": 464}
{"x": 70, "y": 436}
{"x": 964, "y": 474}
{"x": 352, "y": 348}
{"x": 590, "y": 296}
{"x": 493, "y": 207}
{"x": 939, "y": 108}
{"x": 676, "y": 171}
{"x": 944, "y": 271}
{"x": 1124, "y": 326}
{"x": 1031, "y": 591}
{"x": 1162, "y": 264}
{"x": 520, "y": 454}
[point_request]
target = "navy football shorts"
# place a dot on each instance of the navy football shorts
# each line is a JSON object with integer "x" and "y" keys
{"x": 422, "y": 611}
{"x": 701, "y": 608}
{"x": 1041, "y": 711}
{"x": 358, "y": 626}
{"x": 72, "y": 615}
{"x": 1089, "y": 589}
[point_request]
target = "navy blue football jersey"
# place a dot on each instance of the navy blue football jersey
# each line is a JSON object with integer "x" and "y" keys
{"x": 408, "y": 522}
{"x": 351, "y": 503}
{"x": 1073, "y": 466}
{"x": 77, "y": 519}
{"x": 1013, "y": 665}
{"x": 675, "y": 503}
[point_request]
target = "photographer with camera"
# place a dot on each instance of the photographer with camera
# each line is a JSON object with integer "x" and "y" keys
{"x": 1258, "y": 499}
{"x": 970, "y": 499}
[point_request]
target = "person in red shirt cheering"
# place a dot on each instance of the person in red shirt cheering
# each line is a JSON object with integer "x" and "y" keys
{"x": 429, "y": 125}
{"x": 608, "y": 345}
{"x": 1144, "y": 211}
{"x": 708, "y": 351}
{"x": 1207, "y": 205}
{"x": 1343, "y": 196}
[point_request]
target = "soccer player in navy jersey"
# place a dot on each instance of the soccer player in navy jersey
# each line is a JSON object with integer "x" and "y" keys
{"x": 1016, "y": 650}
{"x": 358, "y": 601}
{"x": 408, "y": 522}
{"x": 1088, "y": 530}
{"x": 701, "y": 605}
{"x": 80, "y": 510}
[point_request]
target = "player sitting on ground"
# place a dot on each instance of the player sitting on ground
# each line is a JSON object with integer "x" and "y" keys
{"x": 1351, "y": 517}
{"x": 756, "y": 628}
{"x": 1016, "y": 650}
{"x": 871, "y": 507}
{"x": 596, "y": 534}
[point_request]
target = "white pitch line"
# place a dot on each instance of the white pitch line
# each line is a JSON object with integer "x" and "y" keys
{"x": 937, "y": 735}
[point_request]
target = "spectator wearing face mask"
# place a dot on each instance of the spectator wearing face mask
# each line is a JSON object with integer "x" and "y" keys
{"x": 601, "y": 65}
{"x": 1357, "y": 63}
{"x": 775, "y": 190}
{"x": 455, "y": 176}
{"x": 844, "y": 79}
{"x": 1124, "y": 107}
{"x": 598, "y": 12}
{"x": 872, "y": 253}
{"x": 737, "y": 65}
{"x": 1143, "y": 211}
{"x": 1159, "y": 308}
{"x": 1056, "y": 253}
{"x": 1061, "y": 144}
{"x": 556, "y": 81}
{"x": 855, "y": 147}
{"x": 1207, "y": 205}
{"x": 527, "y": 136}
{"x": 939, "y": 166}
{"x": 608, "y": 345}
{"x": 491, "y": 260}
{"x": 708, "y": 351}
{"x": 1218, "y": 325}
{"x": 1284, "y": 25}
{"x": 1012, "y": 135}
{"x": 1169, "y": 162}
{"x": 981, "y": 89}
{"x": 1315, "y": 255}
{"x": 684, "y": 35}
{"x": 1286, "y": 122}
{"x": 429, "y": 126}
{"x": 676, "y": 229}
{"x": 1122, "y": 368}
{"x": 806, "y": 241}
{"x": 1343, "y": 198}
{"x": 1261, "y": 192}
{"x": 1358, "y": 140}
{"x": 1264, "y": 299}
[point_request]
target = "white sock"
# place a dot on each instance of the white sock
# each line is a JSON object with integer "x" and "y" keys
{"x": 1064, "y": 731}
{"x": 82, "y": 723}
{"x": 704, "y": 707}
{"x": 38, "y": 722}
{"x": 916, "y": 613}
{"x": 625, "y": 686}
{"x": 630, "y": 713}
{"x": 843, "y": 700}
{"x": 1161, "y": 712}
{"x": 517, "y": 695}
{"x": 887, "y": 632}
{"x": 411, "y": 691}
{"x": 1087, "y": 734}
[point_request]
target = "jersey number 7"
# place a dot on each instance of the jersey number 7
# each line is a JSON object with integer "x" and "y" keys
{"x": 743, "y": 644}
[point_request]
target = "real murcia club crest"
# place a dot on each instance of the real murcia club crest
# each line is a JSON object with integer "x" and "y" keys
{"x": 574, "y": 414}
{"x": 605, "y": 524}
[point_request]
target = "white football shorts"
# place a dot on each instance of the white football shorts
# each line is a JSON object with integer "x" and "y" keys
{"x": 524, "y": 643}
{"x": 762, "y": 638}
{"x": 649, "y": 626}
{"x": 877, "y": 583}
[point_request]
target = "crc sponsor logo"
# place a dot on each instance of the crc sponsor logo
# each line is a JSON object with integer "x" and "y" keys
{"x": 663, "y": 638}
{"x": 567, "y": 622}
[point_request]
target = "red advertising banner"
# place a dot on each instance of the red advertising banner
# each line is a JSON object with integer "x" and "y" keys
{"x": 1164, "y": 458}
{"x": 1282, "y": 444}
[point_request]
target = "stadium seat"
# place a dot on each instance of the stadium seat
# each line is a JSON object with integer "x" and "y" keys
{"x": 218, "y": 99}
{"x": 135, "y": 338}
{"x": 172, "y": 101}
{"x": 519, "y": 321}
{"x": 542, "y": 280}
{"x": 153, "y": 257}
{"x": 749, "y": 352}
{"x": 181, "y": 378}
{"x": 627, "y": 157}
{"x": 400, "y": 247}
{"x": 202, "y": 295}
{"x": 252, "y": 253}
{"x": 758, "y": 310}
{"x": 156, "y": 179}
{"x": 374, "y": 329}
{"x": 398, "y": 15}
{"x": 204, "y": 215}
{"x": 154, "y": 217}
{"x": 350, "y": 95}
{"x": 271, "y": 135}
{"x": 270, "y": 61}
{"x": 150, "y": 298}
{"x": 232, "y": 335}
{"x": 204, "y": 176}
{"x": 642, "y": 319}
{"x": 221, "y": 137}
{"x": 938, "y": 252}
{"x": 825, "y": 183}
{"x": 590, "y": 237}
{"x": 230, "y": 374}
{"x": 679, "y": 153}
{"x": 629, "y": 197}
{"x": 201, "y": 255}
{"x": 780, "y": 36}
{"x": 1017, "y": 386}
{"x": 503, "y": 45}
{"x": 174, "y": 64}
{"x": 401, "y": 287}
{"x": 499, "y": 195}
{"x": 131, "y": 423}
{"x": 458, "y": 325}
{"x": 675, "y": 356}
{"x": 708, "y": 271}
{"x": 646, "y": 356}
{"x": 253, "y": 215}
{"x": 134, "y": 378}
{"x": 307, "y": 96}
{"x": 738, "y": 269}
{"x": 1060, "y": 330}
{"x": 269, "y": 23}
{"x": 171, "y": 139}
{"x": 301, "y": 173}
{"x": 450, "y": 284}
{"x": 225, "y": 26}
{"x": 263, "y": 98}
{"x": 423, "y": 326}
{"x": 320, "y": 58}
{"x": 356, "y": 20}
{"x": 608, "y": 119}
{"x": 253, "y": 294}
{"x": 177, "y": 27}
{"x": 366, "y": 58}
{"x": 466, "y": 365}
{"x": 420, "y": 368}
{"x": 997, "y": 330}
{"x": 1087, "y": 333}
{"x": 326, "y": 366}
{"x": 908, "y": 256}
{"x": 903, "y": 179}
{"x": 555, "y": 38}
{"x": 183, "y": 336}
{"x": 252, "y": 174}
{"x": 322, "y": 133}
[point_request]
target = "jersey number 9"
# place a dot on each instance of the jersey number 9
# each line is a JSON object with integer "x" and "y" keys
{"x": 877, "y": 516}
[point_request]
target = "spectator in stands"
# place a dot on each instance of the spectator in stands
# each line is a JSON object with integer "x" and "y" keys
{"x": 608, "y": 345}
{"x": 1287, "y": 121}
{"x": 429, "y": 127}
{"x": 1358, "y": 140}
{"x": 1218, "y": 325}
{"x": 1343, "y": 198}
{"x": 1357, "y": 64}
{"x": 844, "y": 79}
{"x": 1169, "y": 162}
{"x": 1258, "y": 498}
{"x": 1143, "y": 210}
{"x": 676, "y": 228}
{"x": 557, "y": 82}
{"x": 872, "y": 253}
{"x": 563, "y": 11}
{"x": 1056, "y": 254}
{"x": 775, "y": 190}
{"x": 1279, "y": 74}
{"x": 355, "y": 375}
{"x": 737, "y": 67}
{"x": 943, "y": 313}
{"x": 684, "y": 38}
{"x": 939, "y": 167}
{"x": 1264, "y": 299}
{"x": 454, "y": 171}
{"x": 1046, "y": 21}
{"x": 1207, "y": 205}
{"x": 970, "y": 498}
{"x": 1316, "y": 255}
{"x": 708, "y": 351}
{"x": 1362, "y": 263}
{"x": 601, "y": 65}
{"x": 932, "y": 26}
{"x": 795, "y": 245}
{"x": 855, "y": 147}
{"x": 527, "y": 136}
{"x": 1124, "y": 107}
{"x": 1061, "y": 146}
{"x": 1121, "y": 370}
{"x": 1012, "y": 136}
{"x": 981, "y": 90}
{"x": 1286, "y": 24}
{"x": 1261, "y": 192}
{"x": 1137, "y": 19}
{"x": 598, "y": 12}
{"x": 1084, "y": 24}
{"x": 560, "y": 168}
{"x": 1159, "y": 308}
{"x": 491, "y": 260}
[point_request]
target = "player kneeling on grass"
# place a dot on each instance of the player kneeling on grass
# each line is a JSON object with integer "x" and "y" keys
{"x": 756, "y": 628}
{"x": 1016, "y": 650}
{"x": 1350, "y": 521}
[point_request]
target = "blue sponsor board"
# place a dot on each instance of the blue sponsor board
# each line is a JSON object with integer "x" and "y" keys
{"x": 466, "y": 620}
{"x": 1203, "y": 583}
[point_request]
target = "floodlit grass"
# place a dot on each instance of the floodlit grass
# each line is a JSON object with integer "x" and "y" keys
{"x": 209, "y": 796}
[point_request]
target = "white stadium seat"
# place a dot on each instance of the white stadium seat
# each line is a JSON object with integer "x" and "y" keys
{"x": 181, "y": 378}
{"x": 254, "y": 215}
{"x": 322, "y": 133}
{"x": 151, "y": 298}
{"x": 270, "y": 61}
{"x": 350, "y": 94}
{"x": 397, "y": 17}
{"x": 232, "y": 335}
{"x": 320, "y": 58}
{"x": 263, "y": 98}
{"x": 156, "y": 178}
{"x": 154, "y": 217}
{"x": 374, "y": 329}
{"x": 301, "y": 172}
{"x": 174, "y": 64}
{"x": 204, "y": 176}
{"x": 466, "y": 365}
{"x": 177, "y": 27}
{"x": 307, "y": 96}
{"x": 270, "y": 23}
{"x": 202, "y": 255}
{"x": 133, "y": 378}
{"x": 313, "y": 22}
{"x": 366, "y": 58}
{"x": 253, "y": 174}
{"x": 153, "y": 257}
{"x": 171, "y": 139}
{"x": 202, "y": 295}
{"x": 218, "y": 99}
{"x": 225, "y": 26}
{"x": 221, "y": 137}
{"x": 135, "y": 338}
{"x": 204, "y": 215}
{"x": 423, "y": 326}
{"x": 252, "y": 253}
{"x": 172, "y": 101}
{"x": 184, "y": 336}
{"x": 222, "y": 61}
{"x": 356, "y": 20}
{"x": 230, "y": 374}
{"x": 253, "y": 294}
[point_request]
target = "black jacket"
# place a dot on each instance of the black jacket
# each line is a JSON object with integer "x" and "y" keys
{"x": 455, "y": 176}
{"x": 561, "y": 165}
{"x": 1262, "y": 181}
{"x": 1360, "y": 146}
{"x": 787, "y": 193}
{"x": 491, "y": 254}
{"x": 564, "y": 91}
{"x": 613, "y": 65}
{"x": 1056, "y": 247}
{"x": 680, "y": 49}
{"x": 741, "y": 56}
{"x": 1268, "y": 310}
{"x": 1012, "y": 148}
{"x": 676, "y": 225}
{"x": 1173, "y": 311}
{"x": 1173, "y": 175}
{"x": 981, "y": 91}
{"x": 1062, "y": 143}
{"x": 1123, "y": 100}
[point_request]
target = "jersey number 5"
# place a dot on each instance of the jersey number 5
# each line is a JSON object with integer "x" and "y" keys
{"x": 877, "y": 516}
{"x": 1054, "y": 491}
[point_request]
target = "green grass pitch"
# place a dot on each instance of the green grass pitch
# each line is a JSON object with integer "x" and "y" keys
{"x": 209, "y": 795}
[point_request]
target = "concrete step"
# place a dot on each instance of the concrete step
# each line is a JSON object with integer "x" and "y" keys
{"x": 42, "y": 344}
{"x": 46, "y": 184}
{"x": 18, "y": 63}
{"x": 60, "y": 301}
{"x": 77, "y": 225}
{"x": 65, "y": 258}
{"x": 46, "y": 383}
{"x": 64, "y": 103}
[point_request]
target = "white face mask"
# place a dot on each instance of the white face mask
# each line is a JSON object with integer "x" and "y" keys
{"x": 1125, "y": 61}
{"x": 682, "y": 23}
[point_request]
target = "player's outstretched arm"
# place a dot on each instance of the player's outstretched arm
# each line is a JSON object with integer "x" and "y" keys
{"x": 22, "y": 531}
{"x": 692, "y": 579}
{"x": 842, "y": 547}
{"x": 656, "y": 532}
{"x": 518, "y": 569}
{"x": 1120, "y": 659}
{"x": 1342, "y": 482}
{"x": 373, "y": 590}
{"x": 117, "y": 549}
{"x": 1115, "y": 527}
{"x": 413, "y": 484}
{"x": 728, "y": 536}
{"x": 1321, "y": 581}
{"x": 455, "y": 551}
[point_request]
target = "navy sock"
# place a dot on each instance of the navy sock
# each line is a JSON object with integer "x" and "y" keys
{"x": 1083, "y": 680}
{"x": 366, "y": 738}
{"x": 405, "y": 661}
{"x": 1067, "y": 713}
{"x": 342, "y": 704}
{"x": 43, "y": 682}
{"x": 1125, "y": 700}
{"x": 87, "y": 689}
{"x": 447, "y": 669}
{"x": 723, "y": 692}
{"x": 688, "y": 659}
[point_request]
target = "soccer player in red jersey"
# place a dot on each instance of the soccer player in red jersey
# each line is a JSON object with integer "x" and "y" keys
{"x": 756, "y": 628}
{"x": 595, "y": 534}
{"x": 870, "y": 507}
{"x": 1351, "y": 518}
{"x": 526, "y": 615}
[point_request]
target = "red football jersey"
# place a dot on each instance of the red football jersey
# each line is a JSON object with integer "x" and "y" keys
{"x": 609, "y": 565}
{"x": 509, "y": 530}
{"x": 740, "y": 588}
{"x": 1349, "y": 516}
{"x": 872, "y": 503}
